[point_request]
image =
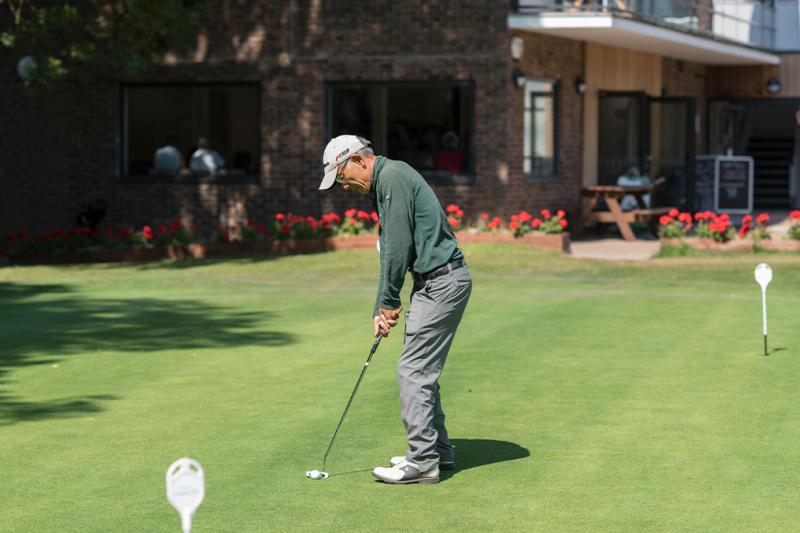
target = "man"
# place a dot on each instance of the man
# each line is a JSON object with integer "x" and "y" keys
{"x": 414, "y": 235}
{"x": 167, "y": 159}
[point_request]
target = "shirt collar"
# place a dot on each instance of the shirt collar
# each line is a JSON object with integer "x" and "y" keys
{"x": 376, "y": 169}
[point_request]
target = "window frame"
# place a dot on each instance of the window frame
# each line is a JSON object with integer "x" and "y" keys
{"x": 553, "y": 94}
{"x": 468, "y": 178}
{"x": 122, "y": 163}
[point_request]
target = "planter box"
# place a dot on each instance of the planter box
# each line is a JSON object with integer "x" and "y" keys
{"x": 551, "y": 241}
{"x": 736, "y": 245}
{"x": 784, "y": 245}
{"x": 353, "y": 242}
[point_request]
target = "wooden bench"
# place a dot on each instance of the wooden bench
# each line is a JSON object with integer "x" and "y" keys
{"x": 611, "y": 195}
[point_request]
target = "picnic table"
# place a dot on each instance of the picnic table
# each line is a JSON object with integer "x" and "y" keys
{"x": 611, "y": 195}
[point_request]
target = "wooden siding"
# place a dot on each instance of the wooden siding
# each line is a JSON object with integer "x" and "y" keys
{"x": 612, "y": 69}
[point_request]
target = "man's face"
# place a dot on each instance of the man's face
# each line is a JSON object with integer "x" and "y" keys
{"x": 354, "y": 175}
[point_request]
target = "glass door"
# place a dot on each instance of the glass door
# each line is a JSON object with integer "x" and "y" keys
{"x": 671, "y": 146}
{"x": 622, "y": 136}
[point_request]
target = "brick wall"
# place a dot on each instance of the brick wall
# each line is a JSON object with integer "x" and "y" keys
{"x": 61, "y": 147}
{"x": 561, "y": 60}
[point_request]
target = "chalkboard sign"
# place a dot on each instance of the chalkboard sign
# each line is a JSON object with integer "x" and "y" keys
{"x": 704, "y": 171}
{"x": 733, "y": 184}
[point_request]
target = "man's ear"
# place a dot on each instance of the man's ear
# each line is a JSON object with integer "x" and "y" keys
{"x": 359, "y": 160}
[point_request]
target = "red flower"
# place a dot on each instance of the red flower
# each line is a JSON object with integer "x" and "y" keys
{"x": 563, "y": 222}
{"x": 350, "y": 212}
{"x": 363, "y": 215}
{"x": 312, "y": 223}
{"x": 374, "y": 216}
{"x": 485, "y": 216}
{"x": 176, "y": 224}
{"x": 280, "y": 216}
{"x": 454, "y": 222}
{"x": 664, "y": 220}
{"x": 285, "y": 229}
{"x": 147, "y": 233}
{"x": 747, "y": 219}
{"x": 452, "y": 208}
{"x": 460, "y": 213}
{"x": 353, "y": 222}
{"x": 261, "y": 228}
{"x": 794, "y": 215}
{"x": 162, "y": 229}
{"x": 561, "y": 214}
{"x": 513, "y": 226}
{"x": 524, "y": 216}
{"x": 536, "y": 223}
{"x": 763, "y": 218}
{"x": 546, "y": 214}
{"x": 250, "y": 222}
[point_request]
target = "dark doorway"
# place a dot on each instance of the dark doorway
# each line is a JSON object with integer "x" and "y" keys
{"x": 671, "y": 151}
{"x": 622, "y": 136}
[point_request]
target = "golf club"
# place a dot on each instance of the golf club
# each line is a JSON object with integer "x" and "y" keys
{"x": 317, "y": 474}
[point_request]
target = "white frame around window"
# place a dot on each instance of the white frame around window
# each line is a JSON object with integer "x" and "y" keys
{"x": 540, "y": 139}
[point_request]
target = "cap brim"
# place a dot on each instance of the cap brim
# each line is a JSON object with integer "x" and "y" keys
{"x": 328, "y": 180}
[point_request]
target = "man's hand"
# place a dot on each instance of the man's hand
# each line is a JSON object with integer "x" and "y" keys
{"x": 386, "y": 318}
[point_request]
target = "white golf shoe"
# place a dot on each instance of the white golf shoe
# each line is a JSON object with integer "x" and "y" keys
{"x": 405, "y": 472}
{"x": 443, "y": 465}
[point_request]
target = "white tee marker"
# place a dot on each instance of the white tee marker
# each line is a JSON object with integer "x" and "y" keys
{"x": 185, "y": 489}
{"x": 763, "y": 277}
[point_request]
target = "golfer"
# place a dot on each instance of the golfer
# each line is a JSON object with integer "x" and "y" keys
{"x": 414, "y": 235}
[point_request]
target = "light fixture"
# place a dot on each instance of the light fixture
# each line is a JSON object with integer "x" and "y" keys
{"x": 774, "y": 86}
{"x": 25, "y": 67}
{"x": 580, "y": 84}
{"x": 517, "y": 48}
{"x": 518, "y": 77}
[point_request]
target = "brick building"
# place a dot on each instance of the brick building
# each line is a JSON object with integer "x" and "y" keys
{"x": 266, "y": 83}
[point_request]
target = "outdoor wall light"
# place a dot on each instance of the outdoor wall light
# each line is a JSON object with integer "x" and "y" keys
{"x": 518, "y": 77}
{"x": 580, "y": 84}
{"x": 517, "y": 48}
{"x": 25, "y": 67}
{"x": 774, "y": 86}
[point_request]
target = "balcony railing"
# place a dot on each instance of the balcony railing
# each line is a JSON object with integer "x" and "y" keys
{"x": 749, "y": 22}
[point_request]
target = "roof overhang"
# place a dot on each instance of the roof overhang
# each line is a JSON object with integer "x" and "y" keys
{"x": 625, "y": 33}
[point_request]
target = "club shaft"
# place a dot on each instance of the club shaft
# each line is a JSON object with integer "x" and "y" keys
{"x": 347, "y": 407}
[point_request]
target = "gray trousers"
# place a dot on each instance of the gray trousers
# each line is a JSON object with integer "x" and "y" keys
{"x": 436, "y": 309}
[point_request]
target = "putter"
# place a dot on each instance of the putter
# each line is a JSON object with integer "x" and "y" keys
{"x": 317, "y": 474}
{"x": 185, "y": 489}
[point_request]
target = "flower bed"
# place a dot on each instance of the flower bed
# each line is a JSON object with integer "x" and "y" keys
{"x": 287, "y": 234}
{"x": 708, "y": 231}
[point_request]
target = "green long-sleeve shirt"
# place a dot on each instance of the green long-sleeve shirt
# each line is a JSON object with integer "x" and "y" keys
{"x": 414, "y": 232}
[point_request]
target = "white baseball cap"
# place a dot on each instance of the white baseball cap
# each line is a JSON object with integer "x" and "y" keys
{"x": 338, "y": 151}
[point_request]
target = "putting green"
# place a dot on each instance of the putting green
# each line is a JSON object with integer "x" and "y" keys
{"x": 581, "y": 396}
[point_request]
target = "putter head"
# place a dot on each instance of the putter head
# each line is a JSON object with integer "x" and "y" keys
{"x": 316, "y": 474}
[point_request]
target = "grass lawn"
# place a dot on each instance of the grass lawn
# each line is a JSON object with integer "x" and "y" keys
{"x": 581, "y": 396}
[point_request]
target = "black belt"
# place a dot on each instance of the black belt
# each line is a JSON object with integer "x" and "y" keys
{"x": 441, "y": 271}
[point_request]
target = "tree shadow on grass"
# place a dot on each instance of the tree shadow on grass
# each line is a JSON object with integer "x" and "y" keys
{"x": 472, "y": 453}
{"x": 45, "y": 324}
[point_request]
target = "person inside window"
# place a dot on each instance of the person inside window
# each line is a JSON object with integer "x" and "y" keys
{"x": 168, "y": 159}
{"x": 205, "y": 160}
{"x": 449, "y": 157}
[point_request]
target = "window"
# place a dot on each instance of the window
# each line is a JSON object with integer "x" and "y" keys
{"x": 427, "y": 125}
{"x": 191, "y": 130}
{"x": 540, "y": 147}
